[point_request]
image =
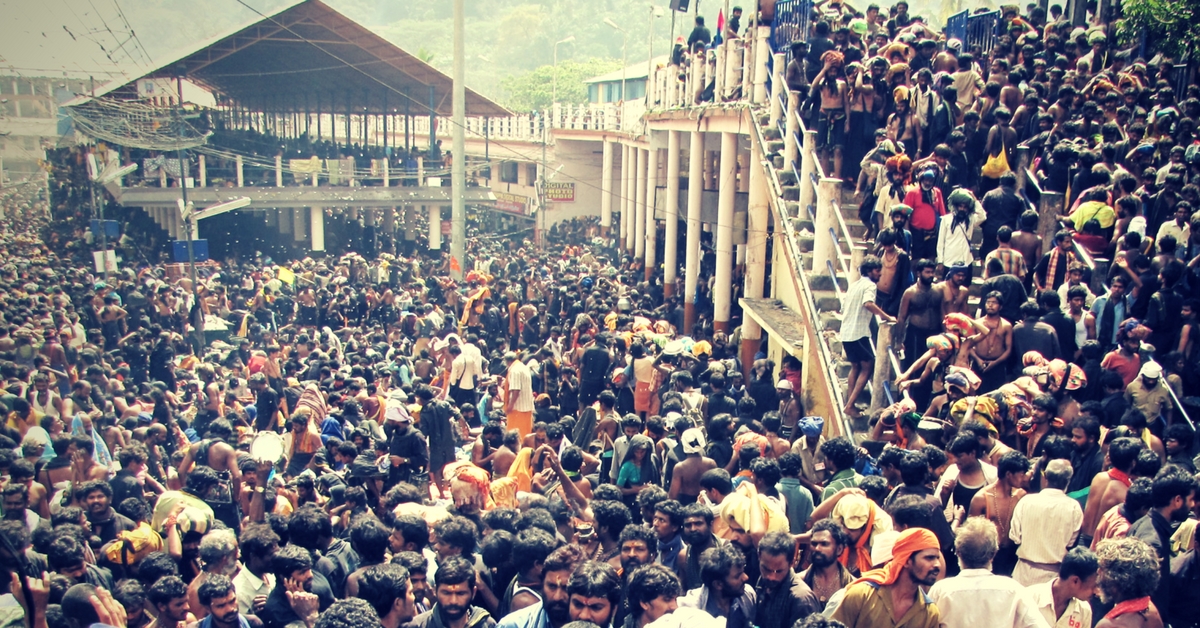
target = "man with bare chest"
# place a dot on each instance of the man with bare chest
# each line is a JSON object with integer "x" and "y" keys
{"x": 920, "y": 314}
{"x": 989, "y": 356}
{"x": 954, "y": 291}
{"x": 685, "y": 477}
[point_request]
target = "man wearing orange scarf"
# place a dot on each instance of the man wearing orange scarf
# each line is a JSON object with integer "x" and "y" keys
{"x": 891, "y": 595}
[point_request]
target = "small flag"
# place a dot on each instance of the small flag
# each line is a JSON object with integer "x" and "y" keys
{"x": 286, "y": 275}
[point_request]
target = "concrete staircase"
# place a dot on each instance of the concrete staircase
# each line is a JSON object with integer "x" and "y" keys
{"x": 825, "y": 296}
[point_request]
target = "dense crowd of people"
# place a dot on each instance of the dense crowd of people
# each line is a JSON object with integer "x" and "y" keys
{"x": 540, "y": 445}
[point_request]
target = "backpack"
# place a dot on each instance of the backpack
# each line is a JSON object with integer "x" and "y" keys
{"x": 692, "y": 411}
{"x": 131, "y": 546}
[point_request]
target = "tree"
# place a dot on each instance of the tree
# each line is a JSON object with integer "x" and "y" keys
{"x": 1168, "y": 25}
{"x": 534, "y": 90}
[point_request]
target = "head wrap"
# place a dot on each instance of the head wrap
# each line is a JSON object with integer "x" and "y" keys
{"x": 469, "y": 484}
{"x": 909, "y": 542}
{"x": 958, "y": 380}
{"x": 834, "y": 56}
{"x": 959, "y": 324}
{"x": 752, "y": 512}
{"x": 693, "y": 441}
{"x": 856, "y": 512}
{"x": 811, "y": 426}
{"x": 940, "y": 342}
{"x": 750, "y": 438}
{"x": 900, "y": 94}
{"x": 1075, "y": 377}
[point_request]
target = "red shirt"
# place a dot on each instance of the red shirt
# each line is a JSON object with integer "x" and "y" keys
{"x": 925, "y": 215}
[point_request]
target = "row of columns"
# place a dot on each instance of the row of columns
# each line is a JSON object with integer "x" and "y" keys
{"x": 643, "y": 167}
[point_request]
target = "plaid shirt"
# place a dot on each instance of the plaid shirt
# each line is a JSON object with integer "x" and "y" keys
{"x": 1011, "y": 259}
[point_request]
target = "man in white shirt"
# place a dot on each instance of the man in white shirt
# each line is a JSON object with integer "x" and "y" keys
{"x": 858, "y": 306}
{"x": 976, "y": 597}
{"x": 1044, "y": 525}
{"x": 518, "y": 398}
{"x": 255, "y": 580}
{"x": 1065, "y": 601}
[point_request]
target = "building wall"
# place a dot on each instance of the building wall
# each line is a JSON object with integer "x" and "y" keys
{"x": 29, "y": 119}
{"x": 581, "y": 163}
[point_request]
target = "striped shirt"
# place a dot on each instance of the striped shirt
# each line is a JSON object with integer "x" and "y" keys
{"x": 1011, "y": 259}
{"x": 856, "y": 319}
{"x": 520, "y": 383}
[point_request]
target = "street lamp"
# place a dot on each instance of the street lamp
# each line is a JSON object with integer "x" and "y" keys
{"x": 554, "y": 81}
{"x": 655, "y": 12}
{"x": 624, "y": 53}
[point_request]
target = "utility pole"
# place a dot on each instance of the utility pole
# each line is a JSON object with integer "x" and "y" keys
{"x": 458, "y": 169}
{"x": 189, "y": 225}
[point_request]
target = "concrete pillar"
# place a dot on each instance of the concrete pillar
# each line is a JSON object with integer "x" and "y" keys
{"x": 435, "y": 227}
{"x": 743, "y": 179}
{"x": 808, "y": 169}
{"x": 756, "y": 252}
{"x": 285, "y": 220}
{"x": 241, "y": 181}
{"x": 651, "y": 224}
{"x": 671, "y": 233}
{"x": 606, "y": 181}
{"x": 299, "y": 224}
{"x": 639, "y": 201}
{"x": 387, "y": 174}
{"x": 883, "y": 367}
{"x": 629, "y": 174}
{"x": 278, "y": 171}
{"x": 691, "y": 267}
{"x": 726, "y": 186}
{"x": 823, "y": 244}
{"x": 316, "y": 216}
{"x": 203, "y": 173}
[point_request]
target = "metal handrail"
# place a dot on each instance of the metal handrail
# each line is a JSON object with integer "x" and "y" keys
{"x": 1179, "y": 404}
{"x": 838, "y": 251}
{"x": 837, "y": 290}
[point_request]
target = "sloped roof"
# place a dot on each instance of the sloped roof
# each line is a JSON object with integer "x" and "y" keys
{"x": 637, "y": 70}
{"x": 306, "y": 57}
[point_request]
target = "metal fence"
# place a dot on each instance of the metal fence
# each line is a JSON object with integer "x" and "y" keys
{"x": 981, "y": 31}
{"x": 792, "y": 21}
{"x": 956, "y": 26}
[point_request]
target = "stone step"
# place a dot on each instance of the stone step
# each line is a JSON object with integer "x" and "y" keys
{"x": 791, "y": 193}
{"x": 774, "y": 146}
{"x": 786, "y": 177}
{"x": 829, "y": 321}
{"x": 827, "y": 300}
{"x": 821, "y": 281}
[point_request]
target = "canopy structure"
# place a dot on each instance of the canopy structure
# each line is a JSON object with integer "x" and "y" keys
{"x": 310, "y": 58}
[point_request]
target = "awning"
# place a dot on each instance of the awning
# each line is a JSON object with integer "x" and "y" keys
{"x": 309, "y": 56}
{"x": 782, "y": 323}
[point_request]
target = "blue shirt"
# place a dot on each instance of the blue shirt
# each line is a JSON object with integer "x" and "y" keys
{"x": 528, "y": 617}
{"x": 1119, "y": 311}
{"x": 799, "y": 503}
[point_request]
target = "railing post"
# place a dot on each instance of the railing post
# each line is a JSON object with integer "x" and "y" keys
{"x": 203, "y": 173}
{"x": 719, "y": 75}
{"x": 823, "y": 244}
{"x": 791, "y": 151}
{"x": 1022, "y": 166}
{"x": 808, "y": 170}
{"x": 777, "y": 88}
{"x": 278, "y": 171}
{"x": 733, "y": 65}
{"x": 883, "y": 366}
{"x": 857, "y": 253}
{"x": 386, "y": 172}
{"x": 762, "y": 54}
{"x": 240, "y": 179}
{"x": 1050, "y": 206}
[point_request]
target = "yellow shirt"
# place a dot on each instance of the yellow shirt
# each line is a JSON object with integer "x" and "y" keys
{"x": 868, "y": 606}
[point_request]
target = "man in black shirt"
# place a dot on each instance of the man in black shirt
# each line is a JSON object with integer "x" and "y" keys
{"x": 96, "y": 496}
{"x": 1002, "y": 206}
{"x": 266, "y": 404}
{"x": 124, "y": 483}
{"x": 699, "y": 34}
{"x": 407, "y": 450}
{"x": 593, "y": 368}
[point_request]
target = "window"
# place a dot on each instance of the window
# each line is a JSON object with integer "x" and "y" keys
{"x": 24, "y": 87}
{"x": 531, "y": 174}
{"x": 508, "y": 172}
{"x": 6, "y": 86}
{"x": 593, "y": 93}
